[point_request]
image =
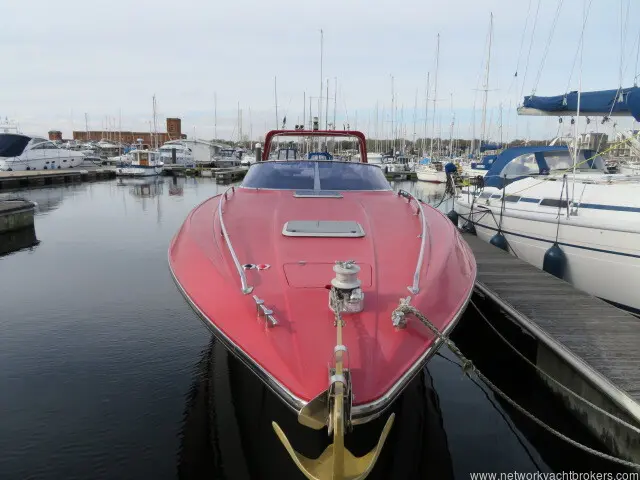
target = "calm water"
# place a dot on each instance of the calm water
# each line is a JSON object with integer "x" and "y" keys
{"x": 105, "y": 373}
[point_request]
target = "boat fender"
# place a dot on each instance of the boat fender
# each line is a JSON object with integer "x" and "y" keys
{"x": 453, "y": 216}
{"x": 469, "y": 227}
{"x": 555, "y": 261}
{"x": 500, "y": 241}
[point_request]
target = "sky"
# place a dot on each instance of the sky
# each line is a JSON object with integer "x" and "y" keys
{"x": 107, "y": 59}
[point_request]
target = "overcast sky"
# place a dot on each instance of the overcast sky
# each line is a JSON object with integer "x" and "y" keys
{"x": 66, "y": 58}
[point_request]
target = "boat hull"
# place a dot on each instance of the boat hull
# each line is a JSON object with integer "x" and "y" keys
{"x": 292, "y": 357}
{"x": 432, "y": 176}
{"x": 138, "y": 171}
{"x": 59, "y": 162}
{"x": 602, "y": 262}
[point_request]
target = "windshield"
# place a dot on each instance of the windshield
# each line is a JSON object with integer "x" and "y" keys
{"x": 315, "y": 175}
{"x": 12, "y": 145}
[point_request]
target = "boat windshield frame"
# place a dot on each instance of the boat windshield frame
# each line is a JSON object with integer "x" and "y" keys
{"x": 255, "y": 179}
{"x": 362, "y": 142}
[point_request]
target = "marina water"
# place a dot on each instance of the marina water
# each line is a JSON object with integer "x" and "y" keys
{"x": 106, "y": 373}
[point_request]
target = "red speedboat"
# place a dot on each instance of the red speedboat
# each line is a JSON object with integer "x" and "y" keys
{"x": 299, "y": 270}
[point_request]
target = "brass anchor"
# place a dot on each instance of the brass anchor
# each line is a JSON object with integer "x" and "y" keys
{"x": 336, "y": 462}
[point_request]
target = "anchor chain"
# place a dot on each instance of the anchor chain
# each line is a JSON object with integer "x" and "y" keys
{"x": 467, "y": 366}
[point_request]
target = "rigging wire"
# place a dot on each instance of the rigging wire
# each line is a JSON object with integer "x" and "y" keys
{"x": 524, "y": 32}
{"x": 575, "y": 58}
{"x": 624, "y": 24}
{"x": 533, "y": 32}
{"x": 547, "y": 46}
{"x": 635, "y": 73}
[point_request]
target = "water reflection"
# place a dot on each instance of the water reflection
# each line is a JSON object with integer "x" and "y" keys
{"x": 176, "y": 186}
{"x": 47, "y": 199}
{"x": 143, "y": 187}
{"x": 227, "y": 432}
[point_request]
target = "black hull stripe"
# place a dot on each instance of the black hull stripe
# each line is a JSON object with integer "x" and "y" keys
{"x": 582, "y": 247}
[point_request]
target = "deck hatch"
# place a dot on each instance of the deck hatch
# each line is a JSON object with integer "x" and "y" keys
{"x": 322, "y": 228}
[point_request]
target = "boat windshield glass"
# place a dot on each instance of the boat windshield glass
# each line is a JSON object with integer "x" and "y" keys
{"x": 315, "y": 175}
{"x": 12, "y": 145}
{"x": 564, "y": 161}
{"x": 522, "y": 165}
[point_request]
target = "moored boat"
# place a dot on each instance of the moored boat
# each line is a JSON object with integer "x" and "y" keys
{"x": 22, "y": 152}
{"x": 582, "y": 224}
{"x": 144, "y": 163}
{"x": 296, "y": 271}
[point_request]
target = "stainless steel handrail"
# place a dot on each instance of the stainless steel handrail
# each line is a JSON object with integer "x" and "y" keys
{"x": 415, "y": 288}
{"x": 246, "y": 289}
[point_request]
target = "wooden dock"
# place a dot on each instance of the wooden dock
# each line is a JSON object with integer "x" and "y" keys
{"x": 36, "y": 178}
{"x": 221, "y": 175}
{"x": 588, "y": 345}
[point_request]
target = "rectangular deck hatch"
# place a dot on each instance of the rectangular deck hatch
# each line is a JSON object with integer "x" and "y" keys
{"x": 322, "y": 228}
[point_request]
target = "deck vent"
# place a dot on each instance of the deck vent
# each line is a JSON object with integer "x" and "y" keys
{"x": 317, "y": 194}
{"x": 322, "y": 228}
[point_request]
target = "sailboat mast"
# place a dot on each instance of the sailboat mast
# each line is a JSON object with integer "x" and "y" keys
{"x": 321, "y": 77}
{"x": 486, "y": 85}
{"x": 435, "y": 94}
{"x": 576, "y": 149}
{"x": 326, "y": 116}
{"x": 275, "y": 94}
{"x": 120, "y": 131}
{"x": 155, "y": 125}
{"x": 335, "y": 100}
{"x": 215, "y": 116}
{"x": 426, "y": 112}
{"x": 453, "y": 121}
{"x": 393, "y": 147}
{"x": 415, "y": 119}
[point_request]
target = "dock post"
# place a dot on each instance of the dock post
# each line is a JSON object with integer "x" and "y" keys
{"x": 173, "y": 156}
{"x": 258, "y": 150}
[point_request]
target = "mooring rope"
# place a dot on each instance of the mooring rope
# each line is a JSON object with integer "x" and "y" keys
{"x": 467, "y": 366}
{"x": 553, "y": 380}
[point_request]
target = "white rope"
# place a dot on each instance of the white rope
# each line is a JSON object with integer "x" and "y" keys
{"x": 467, "y": 366}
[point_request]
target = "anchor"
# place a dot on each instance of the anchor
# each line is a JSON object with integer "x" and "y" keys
{"x": 336, "y": 462}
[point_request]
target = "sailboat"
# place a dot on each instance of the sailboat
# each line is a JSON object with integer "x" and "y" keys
{"x": 558, "y": 208}
{"x": 433, "y": 171}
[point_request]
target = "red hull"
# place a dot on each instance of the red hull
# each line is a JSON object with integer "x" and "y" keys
{"x": 293, "y": 357}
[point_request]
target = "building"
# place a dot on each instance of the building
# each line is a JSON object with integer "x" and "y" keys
{"x": 174, "y": 132}
{"x": 55, "y": 135}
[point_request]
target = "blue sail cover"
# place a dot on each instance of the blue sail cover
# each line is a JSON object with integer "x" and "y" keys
{"x": 490, "y": 146}
{"x": 602, "y": 102}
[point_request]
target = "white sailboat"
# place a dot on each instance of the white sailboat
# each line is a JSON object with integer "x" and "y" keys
{"x": 433, "y": 171}
{"x": 558, "y": 208}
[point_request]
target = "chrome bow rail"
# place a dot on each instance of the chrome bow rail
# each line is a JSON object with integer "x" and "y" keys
{"x": 246, "y": 289}
{"x": 415, "y": 288}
